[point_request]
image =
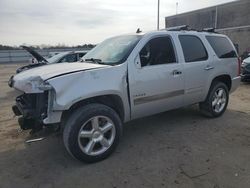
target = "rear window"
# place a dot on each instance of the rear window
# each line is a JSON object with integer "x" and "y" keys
{"x": 222, "y": 47}
{"x": 81, "y": 54}
{"x": 193, "y": 48}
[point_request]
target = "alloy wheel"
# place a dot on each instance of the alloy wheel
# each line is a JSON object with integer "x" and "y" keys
{"x": 96, "y": 135}
{"x": 219, "y": 100}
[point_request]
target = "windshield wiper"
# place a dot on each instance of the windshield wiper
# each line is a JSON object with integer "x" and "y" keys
{"x": 93, "y": 60}
{"x": 98, "y": 61}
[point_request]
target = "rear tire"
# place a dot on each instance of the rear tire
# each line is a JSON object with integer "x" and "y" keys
{"x": 92, "y": 132}
{"x": 216, "y": 101}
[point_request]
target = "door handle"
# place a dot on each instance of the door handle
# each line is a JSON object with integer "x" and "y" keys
{"x": 176, "y": 72}
{"x": 209, "y": 68}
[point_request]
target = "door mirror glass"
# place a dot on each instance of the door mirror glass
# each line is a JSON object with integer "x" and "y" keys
{"x": 137, "y": 62}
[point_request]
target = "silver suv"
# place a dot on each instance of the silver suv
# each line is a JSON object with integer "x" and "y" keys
{"x": 124, "y": 78}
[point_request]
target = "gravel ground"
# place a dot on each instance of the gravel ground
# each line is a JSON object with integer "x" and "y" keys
{"x": 179, "y": 148}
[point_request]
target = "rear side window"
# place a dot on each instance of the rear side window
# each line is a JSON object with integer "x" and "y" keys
{"x": 193, "y": 48}
{"x": 222, "y": 47}
{"x": 81, "y": 54}
{"x": 69, "y": 58}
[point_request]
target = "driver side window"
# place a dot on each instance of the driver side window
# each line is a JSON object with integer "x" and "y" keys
{"x": 157, "y": 51}
{"x": 69, "y": 58}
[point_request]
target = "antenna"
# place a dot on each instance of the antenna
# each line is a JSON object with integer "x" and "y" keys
{"x": 138, "y": 30}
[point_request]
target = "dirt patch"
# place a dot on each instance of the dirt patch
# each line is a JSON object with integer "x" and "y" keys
{"x": 179, "y": 148}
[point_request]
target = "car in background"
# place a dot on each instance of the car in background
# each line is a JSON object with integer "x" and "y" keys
{"x": 245, "y": 70}
{"x": 51, "y": 54}
{"x": 61, "y": 57}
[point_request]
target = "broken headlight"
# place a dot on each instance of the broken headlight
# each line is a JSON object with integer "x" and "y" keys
{"x": 36, "y": 85}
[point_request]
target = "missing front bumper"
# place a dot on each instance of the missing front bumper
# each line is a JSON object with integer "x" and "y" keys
{"x": 31, "y": 109}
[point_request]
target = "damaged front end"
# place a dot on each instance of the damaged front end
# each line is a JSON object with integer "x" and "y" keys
{"x": 32, "y": 108}
{"x": 33, "y": 105}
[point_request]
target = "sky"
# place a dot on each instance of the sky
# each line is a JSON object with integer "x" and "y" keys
{"x": 74, "y": 22}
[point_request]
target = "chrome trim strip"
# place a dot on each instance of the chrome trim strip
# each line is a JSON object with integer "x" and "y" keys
{"x": 147, "y": 99}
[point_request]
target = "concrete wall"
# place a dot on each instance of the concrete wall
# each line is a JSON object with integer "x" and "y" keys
{"x": 197, "y": 19}
{"x": 240, "y": 37}
{"x": 232, "y": 19}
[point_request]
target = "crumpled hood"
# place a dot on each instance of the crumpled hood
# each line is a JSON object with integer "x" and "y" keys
{"x": 53, "y": 70}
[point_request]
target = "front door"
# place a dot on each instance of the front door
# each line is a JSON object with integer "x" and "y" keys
{"x": 156, "y": 78}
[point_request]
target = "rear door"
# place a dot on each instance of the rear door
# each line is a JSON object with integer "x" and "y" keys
{"x": 156, "y": 79}
{"x": 197, "y": 67}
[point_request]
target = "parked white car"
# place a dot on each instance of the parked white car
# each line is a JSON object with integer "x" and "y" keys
{"x": 124, "y": 78}
{"x": 61, "y": 57}
{"x": 245, "y": 70}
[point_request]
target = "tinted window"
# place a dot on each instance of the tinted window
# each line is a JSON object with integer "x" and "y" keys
{"x": 114, "y": 50}
{"x": 193, "y": 48}
{"x": 81, "y": 54}
{"x": 222, "y": 47}
{"x": 69, "y": 58}
{"x": 157, "y": 51}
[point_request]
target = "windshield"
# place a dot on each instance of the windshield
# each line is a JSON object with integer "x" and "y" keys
{"x": 56, "y": 57}
{"x": 113, "y": 50}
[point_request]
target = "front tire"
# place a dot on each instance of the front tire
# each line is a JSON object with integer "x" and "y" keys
{"x": 216, "y": 101}
{"x": 92, "y": 132}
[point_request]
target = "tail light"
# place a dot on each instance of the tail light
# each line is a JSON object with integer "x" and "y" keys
{"x": 239, "y": 66}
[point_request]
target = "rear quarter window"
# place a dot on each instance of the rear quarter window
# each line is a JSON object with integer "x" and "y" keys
{"x": 81, "y": 55}
{"x": 193, "y": 48}
{"x": 222, "y": 47}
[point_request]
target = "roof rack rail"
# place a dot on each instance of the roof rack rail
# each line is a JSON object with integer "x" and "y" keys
{"x": 178, "y": 28}
{"x": 210, "y": 30}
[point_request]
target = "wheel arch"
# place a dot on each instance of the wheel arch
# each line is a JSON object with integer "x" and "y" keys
{"x": 225, "y": 78}
{"x": 111, "y": 100}
{"x": 206, "y": 105}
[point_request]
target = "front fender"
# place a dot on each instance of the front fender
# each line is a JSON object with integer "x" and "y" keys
{"x": 72, "y": 88}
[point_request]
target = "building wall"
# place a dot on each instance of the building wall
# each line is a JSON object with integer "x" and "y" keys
{"x": 232, "y": 19}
